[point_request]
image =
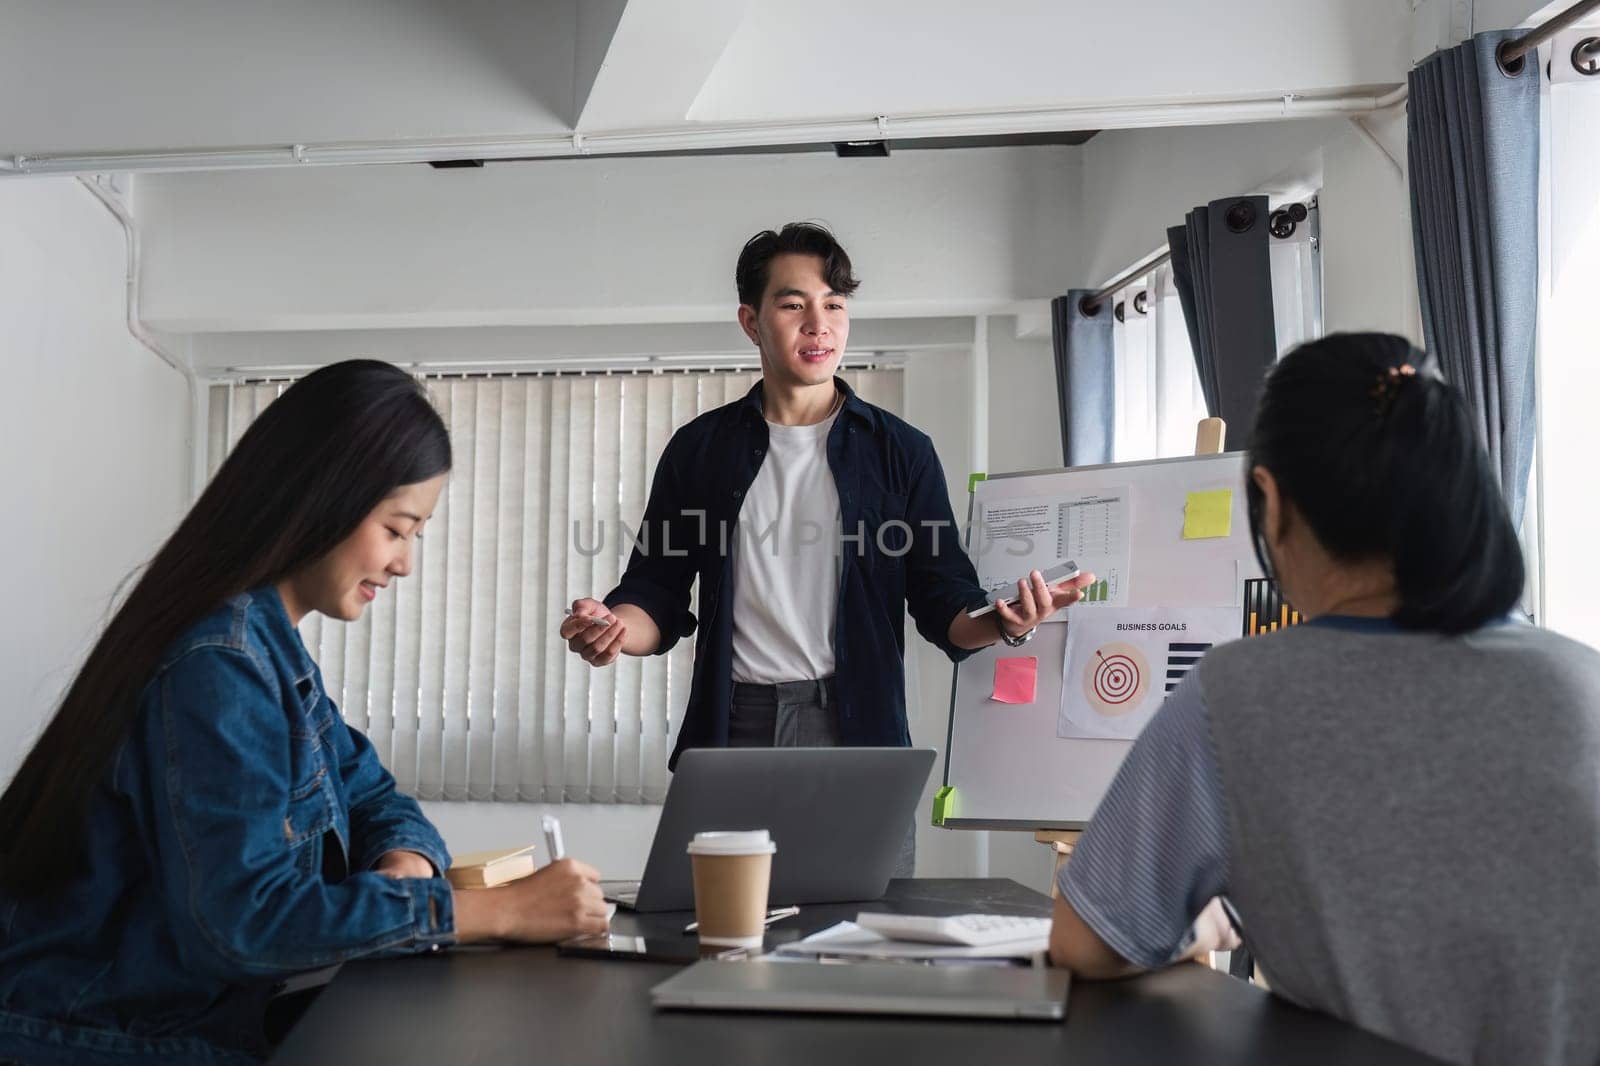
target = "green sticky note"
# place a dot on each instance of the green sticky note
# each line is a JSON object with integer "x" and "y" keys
{"x": 972, "y": 481}
{"x": 944, "y": 804}
{"x": 1208, "y": 514}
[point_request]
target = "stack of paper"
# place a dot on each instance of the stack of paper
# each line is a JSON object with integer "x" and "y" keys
{"x": 849, "y": 940}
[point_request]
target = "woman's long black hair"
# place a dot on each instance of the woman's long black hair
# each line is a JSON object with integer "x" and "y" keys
{"x": 1380, "y": 456}
{"x": 301, "y": 479}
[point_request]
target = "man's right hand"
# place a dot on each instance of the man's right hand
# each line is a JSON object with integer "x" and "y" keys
{"x": 599, "y": 645}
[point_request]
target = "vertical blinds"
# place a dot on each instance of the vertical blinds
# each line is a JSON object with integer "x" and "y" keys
{"x": 457, "y": 673}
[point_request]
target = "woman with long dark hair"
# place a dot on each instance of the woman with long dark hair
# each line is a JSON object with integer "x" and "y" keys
{"x": 1400, "y": 799}
{"x": 196, "y": 822}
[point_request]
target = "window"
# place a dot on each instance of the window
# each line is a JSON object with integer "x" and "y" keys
{"x": 1156, "y": 387}
{"x": 456, "y": 673}
{"x": 1563, "y": 512}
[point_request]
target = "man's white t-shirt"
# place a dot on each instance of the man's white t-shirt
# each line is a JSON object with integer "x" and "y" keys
{"x": 786, "y": 562}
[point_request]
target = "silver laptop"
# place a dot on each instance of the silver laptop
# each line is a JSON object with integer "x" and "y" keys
{"x": 837, "y": 815}
{"x": 1029, "y": 993}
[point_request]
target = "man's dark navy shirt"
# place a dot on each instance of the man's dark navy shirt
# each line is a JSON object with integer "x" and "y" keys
{"x": 900, "y": 547}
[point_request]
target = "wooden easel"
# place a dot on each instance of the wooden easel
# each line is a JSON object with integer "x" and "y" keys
{"x": 1060, "y": 842}
{"x": 1208, "y": 436}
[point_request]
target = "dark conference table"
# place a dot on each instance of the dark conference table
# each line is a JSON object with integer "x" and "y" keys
{"x": 525, "y": 1004}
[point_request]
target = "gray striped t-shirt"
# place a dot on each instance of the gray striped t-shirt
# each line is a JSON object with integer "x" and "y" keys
{"x": 1407, "y": 824}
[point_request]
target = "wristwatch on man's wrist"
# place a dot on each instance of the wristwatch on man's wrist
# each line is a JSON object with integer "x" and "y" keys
{"x": 1011, "y": 641}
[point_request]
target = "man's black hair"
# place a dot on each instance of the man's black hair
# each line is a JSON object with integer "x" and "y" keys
{"x": 797, "y": 238}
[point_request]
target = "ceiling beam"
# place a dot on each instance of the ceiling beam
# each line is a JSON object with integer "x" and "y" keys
{"x": 597, "y": 28}
{"x": 660, "y": 55}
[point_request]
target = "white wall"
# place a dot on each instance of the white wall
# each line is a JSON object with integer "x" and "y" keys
{"x": 93, "y": 429}
{"x": 1505, "y": 14}
{"x": 1369, "y": 277}
{"x": 594, "y": 241}
{"x": 1024, "y": 426}
{"x": 1136, "y": 183}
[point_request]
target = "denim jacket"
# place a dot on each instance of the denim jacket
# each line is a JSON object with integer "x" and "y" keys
{"x": 229, "y": 846}
{"x": 899, "y": 545}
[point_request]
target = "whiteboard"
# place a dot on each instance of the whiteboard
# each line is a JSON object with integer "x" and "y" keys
{"x": 1008, "y": 767}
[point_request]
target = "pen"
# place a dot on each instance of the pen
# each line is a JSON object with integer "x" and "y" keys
{"x": 602, "y": 622}
{"x": 772, "y": 916}
{"x": 552, "y": 838}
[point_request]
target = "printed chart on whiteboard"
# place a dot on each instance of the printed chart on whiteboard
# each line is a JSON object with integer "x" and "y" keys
{"x": 1094, "y": 531}
{"x": 1120, "y": 664}
{"x": 1018, "y": 535}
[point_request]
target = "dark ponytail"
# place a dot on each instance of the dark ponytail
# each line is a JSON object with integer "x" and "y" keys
{"x": 1380, "y": 456}
{"x": 300, "y": 480}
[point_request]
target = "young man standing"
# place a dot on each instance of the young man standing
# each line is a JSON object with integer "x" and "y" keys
{"x": 813, "y": 520}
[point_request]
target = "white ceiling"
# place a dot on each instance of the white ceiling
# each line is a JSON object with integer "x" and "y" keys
{"x": 114, "y": 75}
{"x": 844, "y": 58}
{"x": 109, "y": 76}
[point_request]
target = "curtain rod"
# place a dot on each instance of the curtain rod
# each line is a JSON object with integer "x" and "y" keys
{"x": 1090, "y": 305}
{"x": 1293, "y": 211}
{"x": 1509, "y": 54}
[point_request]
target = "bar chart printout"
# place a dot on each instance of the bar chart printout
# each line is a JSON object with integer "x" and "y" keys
{"x": 1265, "y": 610}
{"x": 1018, "y": 535}
{"x": 1094, "y": 531}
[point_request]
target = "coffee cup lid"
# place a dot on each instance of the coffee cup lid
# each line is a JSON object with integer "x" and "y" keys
{"x": 747, "y": 842}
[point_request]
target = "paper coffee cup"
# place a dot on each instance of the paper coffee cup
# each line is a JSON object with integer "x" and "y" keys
{"x": 731, "y": 873}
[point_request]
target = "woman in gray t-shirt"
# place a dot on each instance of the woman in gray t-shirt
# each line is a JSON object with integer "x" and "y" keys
{"x": 1400, "y": 800}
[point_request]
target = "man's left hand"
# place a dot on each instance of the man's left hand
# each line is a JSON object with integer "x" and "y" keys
{"x": 1037, "y": 601}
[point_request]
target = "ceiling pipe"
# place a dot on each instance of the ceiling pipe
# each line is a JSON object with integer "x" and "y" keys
{"x": 708, "y": 137}
{"x": 103, "y": 191}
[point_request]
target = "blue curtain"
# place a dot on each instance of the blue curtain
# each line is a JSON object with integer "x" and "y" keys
{"x": 1183, "y": 279}
{"x": 1222, "y": 268}
{"x": 1085, "y": 378}
{"x": 1473, "y": 136}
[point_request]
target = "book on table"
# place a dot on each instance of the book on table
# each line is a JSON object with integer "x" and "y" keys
{"x": 485, "y": 869}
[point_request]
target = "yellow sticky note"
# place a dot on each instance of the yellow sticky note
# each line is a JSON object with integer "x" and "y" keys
{"x": 1208, "y": 514}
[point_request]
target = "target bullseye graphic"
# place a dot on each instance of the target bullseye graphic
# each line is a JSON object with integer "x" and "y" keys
{"x": 1116, "y": 679}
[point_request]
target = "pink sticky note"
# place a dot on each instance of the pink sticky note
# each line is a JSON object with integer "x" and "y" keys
{"x": 1014, "y": 679}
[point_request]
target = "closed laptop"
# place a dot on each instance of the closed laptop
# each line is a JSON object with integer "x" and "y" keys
{"x": 1017, "y": 992}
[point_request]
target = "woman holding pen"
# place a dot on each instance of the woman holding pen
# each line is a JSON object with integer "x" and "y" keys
{"x": 196, "y": 822}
